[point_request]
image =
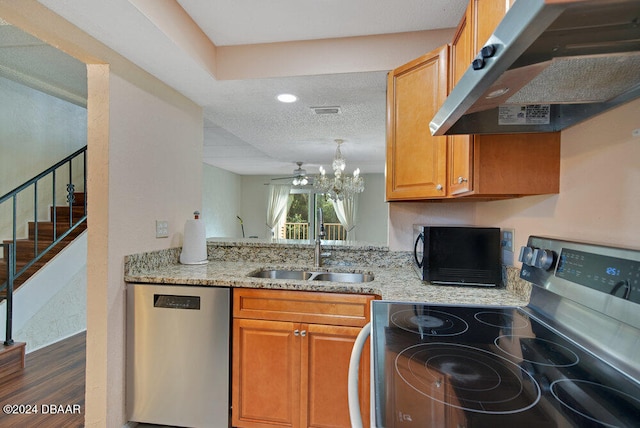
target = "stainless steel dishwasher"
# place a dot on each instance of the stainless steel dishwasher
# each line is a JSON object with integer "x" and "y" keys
{"x": 178, "y": 355}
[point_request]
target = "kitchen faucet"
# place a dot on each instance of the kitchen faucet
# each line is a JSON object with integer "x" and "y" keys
{"x": 319, "y": 235}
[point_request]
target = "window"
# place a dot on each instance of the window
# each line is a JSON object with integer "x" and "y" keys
{"x": 301, "y": 219}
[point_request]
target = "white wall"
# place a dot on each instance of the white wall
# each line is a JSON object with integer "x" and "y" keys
{"x": 221, "y": 193}
{"x": 599, "y": 197}
{"x": 145, "y": 163}
{"x": 372, "y": 211}
{"x": 253, "y": 206}
{"x": 598, "y": 201}
{"x": 403, "y": 215}
{"x": 36, "y": 130}
{"x": 52, "y": 304}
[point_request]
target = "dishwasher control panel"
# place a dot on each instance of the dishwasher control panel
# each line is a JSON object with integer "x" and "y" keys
{"x": 176, "y": 302}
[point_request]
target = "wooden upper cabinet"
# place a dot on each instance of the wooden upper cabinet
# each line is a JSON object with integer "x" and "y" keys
{"x": 423, "y": 167}
{"x": 416, "y": 160}
{"x": 496, "y": 166}
{"x": 487, "y": 14}
{"x": 460, "y": 147}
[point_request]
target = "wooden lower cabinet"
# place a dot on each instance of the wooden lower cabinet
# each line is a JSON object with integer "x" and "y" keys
{"x": 266, "y": 380}
{"x": 325, "y": 365}
{"x": 294, "y": 373}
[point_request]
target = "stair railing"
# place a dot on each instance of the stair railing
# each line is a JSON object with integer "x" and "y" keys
{"x": 10, "y": 247}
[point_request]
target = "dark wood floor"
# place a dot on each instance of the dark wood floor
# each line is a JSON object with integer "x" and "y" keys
{"x": 52, "y": 384}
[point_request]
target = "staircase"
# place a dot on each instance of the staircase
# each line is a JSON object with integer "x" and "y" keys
{"x": 25, "y": 248}
{"x": 21, "y": 258}
{"x": 12, "y": 356}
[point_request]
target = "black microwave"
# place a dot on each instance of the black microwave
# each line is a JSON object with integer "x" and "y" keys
{"x": 458, "y": 255}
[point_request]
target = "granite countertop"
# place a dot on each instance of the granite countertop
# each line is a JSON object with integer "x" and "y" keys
{"x": 390, "y": 283}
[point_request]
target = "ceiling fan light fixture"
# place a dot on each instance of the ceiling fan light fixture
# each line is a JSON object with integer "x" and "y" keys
{"x": 300, "y": 181}
{"x": 287, "y": 98}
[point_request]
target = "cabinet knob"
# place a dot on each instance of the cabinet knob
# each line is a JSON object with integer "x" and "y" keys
{"x": 303, "y": 333}
{"x": 462, "y": 180}
{"x": 439, "y": 187}
{"x": 296, "y": 332}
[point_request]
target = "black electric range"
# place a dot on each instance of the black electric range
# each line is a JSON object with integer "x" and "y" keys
{"x": 571, "y": 358}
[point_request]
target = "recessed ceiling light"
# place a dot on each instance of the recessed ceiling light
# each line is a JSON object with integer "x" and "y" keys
{"x": 287, "y": 98}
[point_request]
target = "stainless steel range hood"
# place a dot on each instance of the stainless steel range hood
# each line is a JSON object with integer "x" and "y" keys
{"x": 554, "y": 63}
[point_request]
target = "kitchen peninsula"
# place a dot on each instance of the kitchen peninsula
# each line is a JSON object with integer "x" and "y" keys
{"x": 283, "y": 321}
{"x": 232, "y": 261}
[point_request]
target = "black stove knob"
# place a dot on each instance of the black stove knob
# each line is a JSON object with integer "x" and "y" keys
{"x": 488, "y": 51}
{"x": 543, "y": 259}
{"x": 478, "y": 63}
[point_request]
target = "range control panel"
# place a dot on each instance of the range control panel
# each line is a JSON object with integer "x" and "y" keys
{"x": 614, "y": 271}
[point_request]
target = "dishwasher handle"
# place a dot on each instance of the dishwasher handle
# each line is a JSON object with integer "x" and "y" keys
{"x": 172, "y": 301}
{"x": 354, "y": 368}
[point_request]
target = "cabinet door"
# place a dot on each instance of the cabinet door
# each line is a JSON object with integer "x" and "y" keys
{"x": 460, "y": 147}
{"x": 487, "y": 16}
{"x": 416, "y": 160}
{"x": 326, "y": 351}
{"x": 266, "y": 373}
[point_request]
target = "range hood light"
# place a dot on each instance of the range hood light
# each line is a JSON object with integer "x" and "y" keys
{"x": 497, "y": 93}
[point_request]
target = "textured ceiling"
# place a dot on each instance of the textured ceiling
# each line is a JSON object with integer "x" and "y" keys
{"x": 27, "y": 60}
{"x": 284, "y": 133}
{"x": 246, "y": 130}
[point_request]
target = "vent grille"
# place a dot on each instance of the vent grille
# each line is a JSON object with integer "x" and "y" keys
{"x": 326, "y": 110}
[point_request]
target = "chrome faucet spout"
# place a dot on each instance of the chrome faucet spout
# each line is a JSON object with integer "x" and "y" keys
{"x": 317, "y": 254}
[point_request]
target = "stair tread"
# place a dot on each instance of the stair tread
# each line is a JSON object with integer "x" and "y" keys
{"x": 12, "y": 358}
{"x": 25, "y": 246}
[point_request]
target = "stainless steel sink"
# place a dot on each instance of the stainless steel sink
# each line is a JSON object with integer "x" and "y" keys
{"x": 342, "y": 277}
{"x": 304, "y": 275}
{"x": 282, "y": 274}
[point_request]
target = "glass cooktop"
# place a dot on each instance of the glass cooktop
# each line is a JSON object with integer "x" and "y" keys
{"x": 479, "y": 366}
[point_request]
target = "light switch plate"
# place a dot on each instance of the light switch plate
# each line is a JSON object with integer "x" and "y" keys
{"x": 162, "y": 229}
{"x": 506, "y": 243}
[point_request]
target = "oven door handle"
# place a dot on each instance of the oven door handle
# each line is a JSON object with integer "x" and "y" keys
{"x": 353, "y": 381}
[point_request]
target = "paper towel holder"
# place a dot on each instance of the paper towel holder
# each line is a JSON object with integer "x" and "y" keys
{"x": 194, "y": 246}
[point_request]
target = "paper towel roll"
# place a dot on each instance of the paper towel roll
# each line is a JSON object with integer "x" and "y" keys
{"x": 194, "y": 247}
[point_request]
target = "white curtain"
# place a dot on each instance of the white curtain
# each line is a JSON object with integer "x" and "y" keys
{"x": 346, "y": 211}
{"x": 277, "y": 205}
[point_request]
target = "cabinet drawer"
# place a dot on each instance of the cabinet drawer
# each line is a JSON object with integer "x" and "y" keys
{"x": 302, "y": 306}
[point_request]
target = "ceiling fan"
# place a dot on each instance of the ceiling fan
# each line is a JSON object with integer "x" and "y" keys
{"x": 299, "y": 177}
